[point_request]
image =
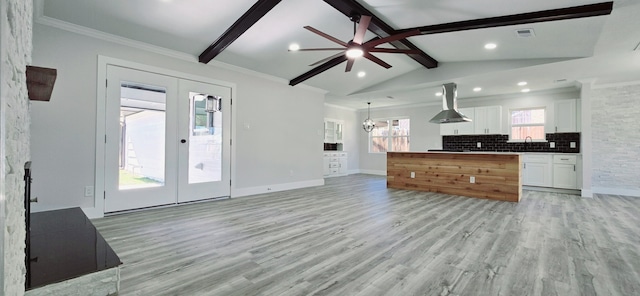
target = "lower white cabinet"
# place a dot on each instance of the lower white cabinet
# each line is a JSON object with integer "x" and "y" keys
{"x": 551, "y": 170}
{"x": 335, "y": 164}
{"x": 536, "y": 170}
{"x": 564, "y": 171}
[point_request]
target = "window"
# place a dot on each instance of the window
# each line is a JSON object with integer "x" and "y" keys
{"x": 527, "y": 123}
{"x": 389, "y": 135}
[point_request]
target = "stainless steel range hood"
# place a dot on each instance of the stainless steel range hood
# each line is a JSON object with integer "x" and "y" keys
{"x": 449, "y": 113}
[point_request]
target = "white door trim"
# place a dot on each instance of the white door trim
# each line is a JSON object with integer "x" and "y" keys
{"x": 101, "y": 91}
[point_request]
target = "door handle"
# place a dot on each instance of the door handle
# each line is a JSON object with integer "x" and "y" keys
{"x": 183, "y": 141}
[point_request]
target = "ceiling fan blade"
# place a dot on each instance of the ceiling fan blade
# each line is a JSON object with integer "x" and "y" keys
{"x": 316, "y": 49}
{"x": 362, "y": 29}
{"x": 373, "y": 43}
{"x": 325, "y": 35}
{"x": 350, "y": 62}
{"x": 394, "y": 50}
{"x": 376, "y": 60}
{"x": 328, "y": 59}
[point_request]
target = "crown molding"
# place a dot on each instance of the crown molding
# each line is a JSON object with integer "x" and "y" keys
{"x": 41, "y": 19}
{"x": 340, "y": 107}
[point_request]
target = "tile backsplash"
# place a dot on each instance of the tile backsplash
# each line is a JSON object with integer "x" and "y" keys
{"x": 562, "y": 141}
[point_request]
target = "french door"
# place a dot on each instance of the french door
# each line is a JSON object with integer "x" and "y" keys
{"x": 167, "y": 140}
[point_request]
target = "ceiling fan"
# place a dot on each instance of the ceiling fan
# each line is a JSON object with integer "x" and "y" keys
{"x": 357, "y": 47}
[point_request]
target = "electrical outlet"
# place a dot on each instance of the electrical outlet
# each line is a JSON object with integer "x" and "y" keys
{"x": 572, "y": 144}
{"x": 472, "y": 179}
{"x": 88, "y": 191}
{"x": 479, "y": 145}
{"x": 552, "y": 144}
{"x": 413, "y": 175}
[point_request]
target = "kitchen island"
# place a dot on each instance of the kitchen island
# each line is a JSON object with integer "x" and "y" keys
{"x": 490, "y": 175}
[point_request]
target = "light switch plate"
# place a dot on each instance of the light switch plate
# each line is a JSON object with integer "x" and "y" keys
{"x": 479, "y": 144}
{"x": 552, "y": 144}
{"x": 413, "y": 175}
{"x": 572, "y": 144}
{"x": 472, "y": 179}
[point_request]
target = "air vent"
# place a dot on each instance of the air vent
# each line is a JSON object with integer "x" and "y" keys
{"x": 525, "y": 33}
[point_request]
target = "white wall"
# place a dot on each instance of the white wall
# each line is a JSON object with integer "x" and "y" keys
{"x": 275, "y": 143}
{"x": 616, "y": 139}
{"x": 426, "y": 135}
{"x": 352, "y": 129}
{"x": 15, "y": 55}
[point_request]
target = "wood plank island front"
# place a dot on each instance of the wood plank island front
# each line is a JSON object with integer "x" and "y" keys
{"x": 475, "y": 174}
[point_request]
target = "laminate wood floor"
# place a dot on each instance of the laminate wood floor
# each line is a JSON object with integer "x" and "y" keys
{"x": 354, "y": 236}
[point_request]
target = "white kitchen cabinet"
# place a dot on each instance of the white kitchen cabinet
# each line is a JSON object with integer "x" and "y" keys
{"x": 537, "y": 170}
{"x": 342, "y": 160}
{"x": 333, "y": 131}
{"x": 565, "y": 172}
{"x": 335, "y": 163}
{"x": 566, "y": 120}
{"x": 487, "y": 120}
{"x": 326, "y": 164}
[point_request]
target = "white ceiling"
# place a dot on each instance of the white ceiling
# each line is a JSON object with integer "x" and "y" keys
{"x": 600, "y": 48}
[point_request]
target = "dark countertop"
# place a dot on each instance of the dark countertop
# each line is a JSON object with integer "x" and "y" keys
{"x": 66, "y": 245}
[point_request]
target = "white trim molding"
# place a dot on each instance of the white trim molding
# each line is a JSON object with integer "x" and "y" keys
{"x": 616, "y": 191}
{"x": 247, "y": 191}
{"x": 373, "y": 172}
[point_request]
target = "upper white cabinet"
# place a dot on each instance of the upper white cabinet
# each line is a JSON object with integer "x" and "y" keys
{"x": 565, "y": 116}
{"x": 485, "y": 120}
{"x": 333, "y": 131}
{"x": 488, "y": 120}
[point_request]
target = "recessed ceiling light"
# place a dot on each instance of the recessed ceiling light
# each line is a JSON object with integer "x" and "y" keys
{"x": 294, "y": 47}
{"x": 477, "y": 89}
{"x": 525, "y": 90}
{"x": 362, "y": 74}
{"x": 490, "y": 46}
{"x": 438, "y": 94}
{"x": 522, "y": 83}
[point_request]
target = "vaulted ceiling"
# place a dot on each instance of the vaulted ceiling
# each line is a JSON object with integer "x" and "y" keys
{"x": 562, "y": 52}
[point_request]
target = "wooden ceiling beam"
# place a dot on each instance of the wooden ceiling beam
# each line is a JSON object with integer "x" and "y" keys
{"x": 382, "y": 29}
{"x": 248, "y": 19}
{"x": 568, "y": 13}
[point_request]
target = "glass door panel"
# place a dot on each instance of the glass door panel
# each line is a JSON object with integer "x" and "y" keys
{"x": 205, "y": 138}
{"x": 142, "y": 136}
{"x": 204, "y": 151}
{"x": 140, "y": 149}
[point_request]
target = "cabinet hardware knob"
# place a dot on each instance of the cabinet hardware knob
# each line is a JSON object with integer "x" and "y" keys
{"x": 183, "y": 141}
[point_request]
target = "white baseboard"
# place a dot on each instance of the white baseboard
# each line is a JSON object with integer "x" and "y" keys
{"x": 238, "y": 192}
{"x": 373, "y": 172}
{"x": 587, "y": 193}
{"x": 616, "y": 191}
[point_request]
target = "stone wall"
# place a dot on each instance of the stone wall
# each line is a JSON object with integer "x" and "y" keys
{"x": 616, "y": 139}
{"x": 15, "y": 54}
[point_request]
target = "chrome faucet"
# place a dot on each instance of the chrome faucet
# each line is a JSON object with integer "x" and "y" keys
{"x": 525, "y": 141}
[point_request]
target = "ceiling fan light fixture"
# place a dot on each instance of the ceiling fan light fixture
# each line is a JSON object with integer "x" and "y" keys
{"x": 362, "y": 74}
{"x": 355, "y": 52}
{"x": 368, "y": 124}
{"x": 294, "y": 47}
{"x": 490, "y": 46}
